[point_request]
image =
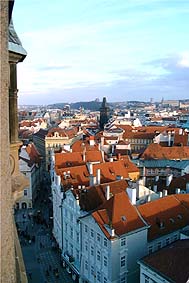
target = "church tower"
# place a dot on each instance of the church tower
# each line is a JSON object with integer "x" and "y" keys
{"x": 104, "y": 113}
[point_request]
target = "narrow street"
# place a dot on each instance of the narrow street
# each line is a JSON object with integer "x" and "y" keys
{"x": 41, "y": 257}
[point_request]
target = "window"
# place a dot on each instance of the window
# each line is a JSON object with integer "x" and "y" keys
{"x": 77, "y": 235}
{"x": 66, "y": 244}
{"x": 105, "y": 280}
{"x": 146, "y": 279}
{"x": 175, "y": 237}
{"x": 179, "y": 216}
{"x": 71, "y": 217}
{"x": 167, "y": 241}
{"x": 66, "y": 227}
{"x": 92, "y": 250}
{"x": 123, "y": 279}
{"x": 71, "y": 249}
{"x": 86, "y": 265}
{"x": 92, "y": 270}
{"x": 123, "y": 261}
{"x": 86, "y": 228}
{"x": 123, "y": 242}
{"x": 159, "y": 245}
{"x": 105, "y": 242}
{"x": 25, "y": 192}
{"x": 98, "y": 237}
{"x": 71, "y": 232}
{"x": 105, "y": 261}
{"x": 77, "y": 255}
{"x": 150, "y": 250}
{"x": 98, "y": 255}
{"x": 92, "y": 233}
{"x": 86, "y": 246}
{"x": 98, "y": 276}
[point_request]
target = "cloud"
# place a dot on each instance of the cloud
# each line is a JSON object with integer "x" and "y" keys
{"x": 184, "y": 59}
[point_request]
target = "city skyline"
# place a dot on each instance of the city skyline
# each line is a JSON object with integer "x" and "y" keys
{"x": 126, "y": 50}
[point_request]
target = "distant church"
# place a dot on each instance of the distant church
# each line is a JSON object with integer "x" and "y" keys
{"x": 104, "y": 113}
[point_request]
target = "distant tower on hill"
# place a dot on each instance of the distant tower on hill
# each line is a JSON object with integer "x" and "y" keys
{"x": 104, "y": 113}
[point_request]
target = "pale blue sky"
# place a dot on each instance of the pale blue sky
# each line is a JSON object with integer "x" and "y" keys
{"x": 87, "y": 49}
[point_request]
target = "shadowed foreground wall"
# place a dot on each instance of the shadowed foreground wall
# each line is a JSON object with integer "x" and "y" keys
{"x": 7, "y": 251}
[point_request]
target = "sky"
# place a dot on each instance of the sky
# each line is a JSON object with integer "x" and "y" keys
{"x": 80, "y": 50}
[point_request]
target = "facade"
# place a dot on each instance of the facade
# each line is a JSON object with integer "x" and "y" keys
{"x": 54, "y": 138}
{"x": 111, "y": 243}
{"x": 30, "y": 166}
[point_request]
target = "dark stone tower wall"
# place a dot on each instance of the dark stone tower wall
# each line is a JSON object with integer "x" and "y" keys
{"x": 104, "y": 113}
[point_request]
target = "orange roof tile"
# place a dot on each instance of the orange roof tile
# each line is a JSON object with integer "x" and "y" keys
{"x": 155, "y": 151}
{"x": 118, "y": 213}
{"x": 70, "y": 159}
{"x": 81, "y": 144}
{"x": 92, "y": 197}
{"x": 165, "y": 215}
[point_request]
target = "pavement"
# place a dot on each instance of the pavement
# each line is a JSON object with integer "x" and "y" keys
{"x": 42, "y": 260}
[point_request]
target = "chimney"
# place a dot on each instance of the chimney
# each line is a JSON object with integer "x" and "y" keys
{"x": 164, "y": 193}
{"x": 169, "y": 138}
{"x": 107, "y": 192}
{"x": 99, "y": 147}
{"x": 111, "y": 159}
{"x": 156, "y": 178}
{"x": 119, "y": 156}
{"x": 102, "y": 141}
{"x": 169, "y": 179}
{"x": 132, "y": 195}
{"x": 160, "y": 194}
{"x": 187, "y": 187}
{"x": 91, "y": 141}
{"x": 58, "y": 180}
{"x": 98, "y": 176}
{"x": 148, "y": 198}
{"x": 77, "y": 199}
{"x": 119, "y": 177}
{"x": 84, "y": 154}
{"x": 112, "y": 233}
{"x": 177, "y": 191}
{"x": 155, "y": 188}
{"x": 180, "y": 132}
{"x": 102, "y": 152}
{"x": 90, "y": 168}
{"x": 91, "y": 180}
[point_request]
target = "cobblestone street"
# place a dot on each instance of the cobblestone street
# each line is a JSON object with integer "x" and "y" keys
{"x": 42, "y": 260}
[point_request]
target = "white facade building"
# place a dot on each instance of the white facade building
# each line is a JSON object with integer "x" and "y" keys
{"x": 29, "y": 165}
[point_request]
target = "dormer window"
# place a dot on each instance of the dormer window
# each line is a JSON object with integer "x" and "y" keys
{"x": 179, "y": 216}
{"x": 123, "y": 218}
{"x": 172, "y": 220}
{"x": 56, "y": 134}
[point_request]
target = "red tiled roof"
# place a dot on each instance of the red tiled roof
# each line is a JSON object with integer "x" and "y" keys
{"x": 119, "y": 214}
{"x": 92, "y": 197}
{"x": 70, "y": 133}
{"x": 33, "y": 153}
{"x": 179, "y": 182}
{"x": 79, "y": 175}
{"x": 165, "y": 215}
{"x": 155, "y": 151}
{"x": 71, "y": 159}
{"x": 171, "y": 262}
{"x": 81, "y": 144}
{"x": 181, "y": 139}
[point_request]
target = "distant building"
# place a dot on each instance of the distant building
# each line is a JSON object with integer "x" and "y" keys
{"x": 104, "y": 113}
{"x": 30, "y": 166}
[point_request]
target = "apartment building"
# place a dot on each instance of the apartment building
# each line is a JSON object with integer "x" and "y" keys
{"x": 30, "y": 166}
